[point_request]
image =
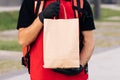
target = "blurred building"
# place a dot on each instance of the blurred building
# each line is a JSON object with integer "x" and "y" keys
{"x": 10, "y": 2}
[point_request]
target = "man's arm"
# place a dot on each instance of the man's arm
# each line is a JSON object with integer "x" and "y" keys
{"x": 87, "y": 50}
{"x": 29, "y": 34}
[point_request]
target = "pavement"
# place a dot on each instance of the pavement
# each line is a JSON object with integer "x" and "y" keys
{"x": 111, "y": 6}
{"x": 24, "y": 76}
{"x": 9, "y": 35}
{"x": 14, "y": 8}
{"x": 105, "y": 66}
{"x": 9, "y": 8}
{"x": 10, "y": 55}
{"x": 102, "y": 66}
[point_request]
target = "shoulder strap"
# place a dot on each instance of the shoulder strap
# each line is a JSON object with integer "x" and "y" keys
{"x": 38, "y": 7}
{"x": 77, "y": 7}
{"x": 25, "y": 50}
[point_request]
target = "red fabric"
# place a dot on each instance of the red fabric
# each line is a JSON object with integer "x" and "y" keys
{"x": 37, "y": 72}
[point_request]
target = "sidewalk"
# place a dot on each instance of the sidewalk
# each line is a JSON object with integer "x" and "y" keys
{"x": 105, "y": 66}
{"x": 102, "y": 66}
{"x": 9, "y": 35}
{"x": 6, "y": 9}
{"x": 111, "y": 6}
{"x": 24, "y": 76}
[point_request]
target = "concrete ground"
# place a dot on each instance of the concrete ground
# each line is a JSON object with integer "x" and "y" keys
{"x": 105, "y": 66}
{"x": 24, "y": 76}
{"x": 110, "y": 6}
{"x": 8, "y": 8}
{"x": 9, "y": 35}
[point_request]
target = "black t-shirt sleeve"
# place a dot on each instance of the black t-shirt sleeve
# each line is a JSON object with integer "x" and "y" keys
{"x": 26, "y": 14}
{"x": 87, "y": 21}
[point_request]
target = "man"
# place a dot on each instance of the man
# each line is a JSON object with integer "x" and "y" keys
{"x": 31, "y": 33}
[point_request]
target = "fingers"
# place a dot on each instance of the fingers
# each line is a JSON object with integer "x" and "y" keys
{"x": 55, "y": 7}
{"x": 50, "y": 11}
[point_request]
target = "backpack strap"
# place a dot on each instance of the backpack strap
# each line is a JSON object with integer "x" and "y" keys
{"x": 77, "y": 6}
{"x": 38, "y": 7}
{"x": 25, "y": 50}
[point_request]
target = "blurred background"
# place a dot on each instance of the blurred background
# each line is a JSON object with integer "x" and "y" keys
{"x": 107, "y": 36}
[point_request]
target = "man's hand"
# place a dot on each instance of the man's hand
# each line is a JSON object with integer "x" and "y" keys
{"x": 50, "y": 11}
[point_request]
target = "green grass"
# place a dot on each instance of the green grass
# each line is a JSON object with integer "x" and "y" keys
{"x": 9, "y": 45}
{"x": 9, "y": 65}
{"x": 107, "y": 13}
{"x": 8, "y": 20}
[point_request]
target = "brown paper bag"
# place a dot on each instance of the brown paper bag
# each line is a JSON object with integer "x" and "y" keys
{"x": 61, "y": 43}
